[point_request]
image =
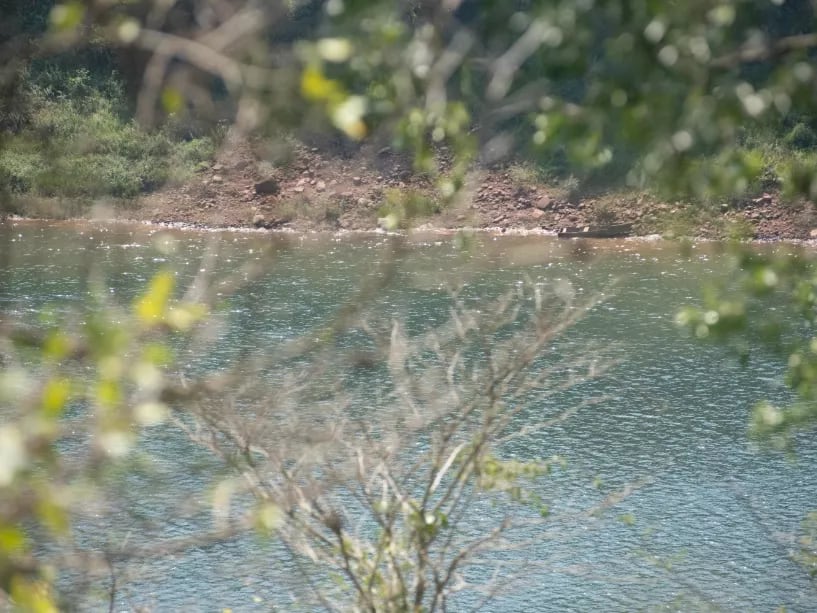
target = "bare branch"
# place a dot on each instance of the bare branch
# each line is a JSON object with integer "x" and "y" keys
{"x": 758, "y": 52}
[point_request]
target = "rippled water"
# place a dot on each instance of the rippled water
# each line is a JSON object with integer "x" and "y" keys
{"x": 714, "y": 525}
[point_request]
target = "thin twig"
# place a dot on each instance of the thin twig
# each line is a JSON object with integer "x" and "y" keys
{"x": 755, "y": 52}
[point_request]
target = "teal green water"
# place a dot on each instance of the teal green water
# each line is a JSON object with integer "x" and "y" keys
{"x": 715, "y": 524}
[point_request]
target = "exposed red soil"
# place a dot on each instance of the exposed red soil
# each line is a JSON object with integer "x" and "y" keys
{"x": 317, "y": 191}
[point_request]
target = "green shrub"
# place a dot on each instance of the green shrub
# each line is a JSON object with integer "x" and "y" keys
{"x": 188, "y": 156}
{"x": 801, "y": 136}
{"x": 79, "y": 143}
{"x": 17, "y": 170}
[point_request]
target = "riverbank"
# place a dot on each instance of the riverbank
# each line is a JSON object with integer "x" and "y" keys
{"x": 317, "y": 191}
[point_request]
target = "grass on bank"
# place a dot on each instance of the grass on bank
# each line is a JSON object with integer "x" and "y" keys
{"x": 73, "y": 138}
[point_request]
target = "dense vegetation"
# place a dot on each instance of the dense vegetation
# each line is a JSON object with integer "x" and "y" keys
{"x": 584, "y": 105}
{"x": 78, "y": 140}
{"x": 68, "y": 126}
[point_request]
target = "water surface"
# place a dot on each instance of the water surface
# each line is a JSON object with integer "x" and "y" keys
{"x": 715, "y": 523}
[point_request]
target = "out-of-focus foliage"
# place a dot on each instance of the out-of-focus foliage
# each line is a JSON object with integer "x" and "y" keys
{"x": 637, "y": 91}
{"x": 750, "y": 314}
{"x": 770, "y": 304}
{"x": 104, "y": 154}
{"x": 807, "y": 554}
{"x": 641, "y": 90}
{"x": 61, "y": 390}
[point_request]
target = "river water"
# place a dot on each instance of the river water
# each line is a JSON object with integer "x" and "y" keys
{"x": 713, "y": 525}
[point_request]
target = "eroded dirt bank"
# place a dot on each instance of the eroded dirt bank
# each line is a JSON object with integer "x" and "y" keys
{"x": 315, "y": 191}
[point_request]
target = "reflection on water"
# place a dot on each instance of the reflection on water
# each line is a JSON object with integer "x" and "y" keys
{"x": 713, "y": 524}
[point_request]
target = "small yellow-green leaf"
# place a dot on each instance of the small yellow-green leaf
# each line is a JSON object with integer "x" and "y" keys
{"x": 108, "y": 394}
{"x": 183, "y": 317}
{"x": 157, "y": 353}
{"x": 172, "y": 100}
{"x": 67, "y": 16}
{"x": 52, "y": 516}
{"x": 315, "y": 86}
{"x": 151, "y": 307}
{"x": 269, "y": 517}
{"x": 55, "y": 396}
{"x": 32, "y": 595}
{"x": 56, "y": 346}
{"x": 12, "y": 539}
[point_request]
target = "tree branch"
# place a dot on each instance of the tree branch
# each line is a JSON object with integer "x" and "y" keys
{"x": 754, "y": 52}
